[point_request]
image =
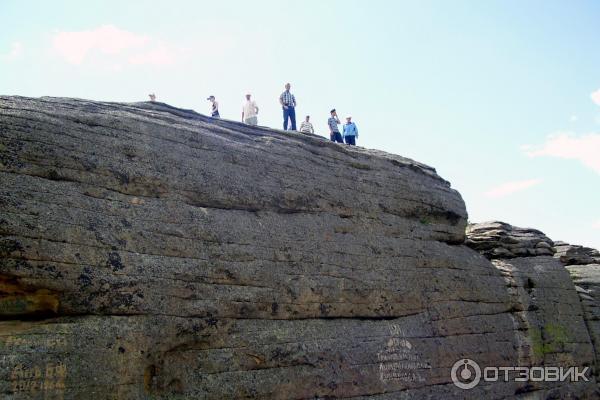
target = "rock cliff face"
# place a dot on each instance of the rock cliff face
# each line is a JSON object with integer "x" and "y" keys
{"x": 148, "y": 252}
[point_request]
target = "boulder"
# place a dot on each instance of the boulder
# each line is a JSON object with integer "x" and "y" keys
{"x": 570, "y": 254}
{"x": 149, "y": 252}
{"x": 501, "y": 240}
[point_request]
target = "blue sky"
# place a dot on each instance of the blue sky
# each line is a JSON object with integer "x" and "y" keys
{"x": 498, "y": 96}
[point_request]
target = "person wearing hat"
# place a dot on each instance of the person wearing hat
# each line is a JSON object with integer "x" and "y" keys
{"x": 249, "y": 111}
{"x": 214, "y": 111}
{"x": 334, "y": 131}
{"x": 288, "y": 104}
{"x": 350, "y": 131}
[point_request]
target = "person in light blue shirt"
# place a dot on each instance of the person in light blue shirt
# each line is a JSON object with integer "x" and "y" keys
{"x": 350, "y": 132}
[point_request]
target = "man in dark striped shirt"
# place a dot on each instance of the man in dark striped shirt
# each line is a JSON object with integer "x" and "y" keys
{"x": 288, "y": 103}
{"x": 334, "y": 131}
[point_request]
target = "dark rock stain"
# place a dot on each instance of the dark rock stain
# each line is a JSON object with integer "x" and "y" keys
{"x": 9, "y": 246}
{"x": 114, "y": 261}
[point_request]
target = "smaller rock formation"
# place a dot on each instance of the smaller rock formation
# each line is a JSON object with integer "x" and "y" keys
{"x": 570, "y": 254}
{"x": 539, "y": 284}
{"x": 501, "y": 240}
{"x": 587, "y": 284}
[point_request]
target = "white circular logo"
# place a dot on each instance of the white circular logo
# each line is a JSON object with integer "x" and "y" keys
{"x": 466, "y": 373}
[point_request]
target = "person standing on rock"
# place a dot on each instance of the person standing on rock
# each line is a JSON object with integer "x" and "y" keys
{"x": 288, "y": 104}
{"x": 334, "y": 131}
{"x": 306, "y": 126}
{"x": 350, "y": 131}
{"x": 250, "y": 111}
{"x": 214, "y": 110}
{"x": 152, "y": 97}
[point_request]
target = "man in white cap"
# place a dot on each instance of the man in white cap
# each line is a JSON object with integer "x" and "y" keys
{"x": 350, "y": 131}
{"x": 214, "y": 108}
{"x": 249, "y": 111}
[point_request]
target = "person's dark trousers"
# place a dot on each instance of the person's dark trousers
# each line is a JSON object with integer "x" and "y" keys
{"x": 351, "y": 140}
{"x": 336, "y": 137}
{"x": 290, "y": 113}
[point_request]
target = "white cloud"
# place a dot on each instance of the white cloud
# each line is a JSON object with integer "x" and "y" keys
{"x": 115, "y": 46}
{"x": 162, "y": 54}
{"x": 586, "y": 148}
{"x": 595, "y": 96}
{"x": 574, "y": 118}
{"x": 16, "y": 50}
{"x": 508, "y": 188}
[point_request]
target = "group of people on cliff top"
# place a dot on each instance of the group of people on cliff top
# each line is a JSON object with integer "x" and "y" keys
{"x": 288, "y": 103}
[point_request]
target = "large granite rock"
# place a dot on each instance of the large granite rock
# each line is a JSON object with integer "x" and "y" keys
{"x": 148, "y": 252}
{"x": 501, "y": 240}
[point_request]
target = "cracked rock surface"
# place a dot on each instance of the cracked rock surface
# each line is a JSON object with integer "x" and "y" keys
{"x": 149, "y": 252}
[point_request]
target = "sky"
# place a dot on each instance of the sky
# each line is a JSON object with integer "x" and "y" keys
{"x": 501, "y": 97}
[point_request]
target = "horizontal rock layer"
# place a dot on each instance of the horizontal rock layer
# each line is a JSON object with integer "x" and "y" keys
{"x": 151, "y": 252}
{"x": 570, "y": 254}
{"x": 501, "y": 240}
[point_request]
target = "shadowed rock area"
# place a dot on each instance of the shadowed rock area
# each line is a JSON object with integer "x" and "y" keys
{"x": 149, "y": 252}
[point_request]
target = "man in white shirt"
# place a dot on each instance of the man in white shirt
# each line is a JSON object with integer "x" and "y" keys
{"x": 249, "y": 111}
